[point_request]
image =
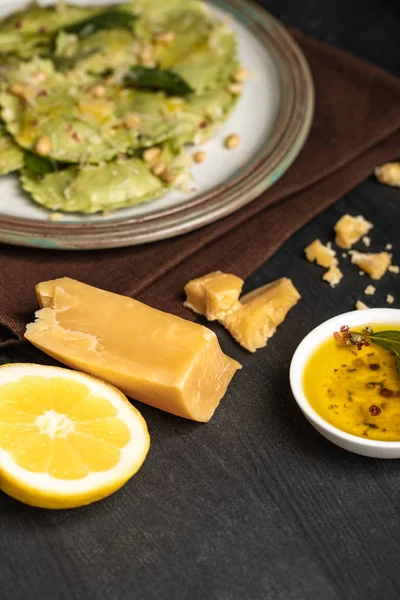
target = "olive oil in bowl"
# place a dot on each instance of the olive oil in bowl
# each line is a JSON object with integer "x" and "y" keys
{"x": 356, "y": 390}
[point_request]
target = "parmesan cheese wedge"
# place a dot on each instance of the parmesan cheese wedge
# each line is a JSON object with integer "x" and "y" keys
{"x": 152, "y": 356}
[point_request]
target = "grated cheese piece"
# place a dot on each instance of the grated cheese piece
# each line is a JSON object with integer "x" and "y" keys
{"x": 394, "y": 269}
{"x": 389, "y": 174}
{"x": 375, "y": 265}
{"x": 370, "y": 290}
{"x": 388, "y": 247}
{"x": 366, "y": 241}
{"x": 360, "y": 305}
{"x": 389, "y": 299}
{"x": 333, "y": 276}
{"x": 349, "y": 230}
{"x": 344, "y": 254}
{"x": 323, "y": 255}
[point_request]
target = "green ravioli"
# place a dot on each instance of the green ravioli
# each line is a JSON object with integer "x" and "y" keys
{"x": 92, "y": 189}
{"x": 81, "y": 128}
{"x": 69, "y": 87}
{"x": 26, "y": 32}
{"x": 11, "y": 155}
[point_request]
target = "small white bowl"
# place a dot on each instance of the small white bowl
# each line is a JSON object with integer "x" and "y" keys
{"x": 353, "y": 443}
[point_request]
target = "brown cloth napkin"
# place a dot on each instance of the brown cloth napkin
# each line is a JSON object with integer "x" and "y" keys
{"x": 356, "y": 126}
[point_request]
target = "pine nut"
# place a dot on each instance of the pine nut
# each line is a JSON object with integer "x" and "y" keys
{"x": 232, "y": 141}
{"x": 43, "y": 146}
{"x": 235, "y": 89}
{"x": 199, "y": 157}
{"x": 150, "y": 155}
{"x": 158, "y": 169}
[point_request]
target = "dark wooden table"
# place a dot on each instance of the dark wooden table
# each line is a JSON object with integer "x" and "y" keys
{"x": 256, "y": 505}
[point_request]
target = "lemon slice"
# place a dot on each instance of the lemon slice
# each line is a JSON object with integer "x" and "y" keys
{"x": 66, "y": 439}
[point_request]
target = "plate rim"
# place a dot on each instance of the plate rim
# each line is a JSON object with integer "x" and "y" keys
{"x": 287, "y": 139}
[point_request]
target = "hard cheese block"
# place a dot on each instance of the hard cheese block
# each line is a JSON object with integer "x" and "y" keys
{"x": 213, "y": 295}
{"x": 260, "y": 312}
{"x": 252, "y": 319}
{"x": 152, "y": 356}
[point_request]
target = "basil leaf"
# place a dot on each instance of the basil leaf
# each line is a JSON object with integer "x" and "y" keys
{"x": 110, "y": 19}
{"x": 64, "y": 63}
{"x": 38, "y": 165}
{"x": 103, "y": 73}
{"x": 390, "y": 340}
{"x": 157, "y": 79}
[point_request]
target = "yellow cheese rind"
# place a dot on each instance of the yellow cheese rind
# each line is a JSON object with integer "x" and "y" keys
{"x": 260, "y": 313}
{"x": 323, "y": 255}
{"x": 349, "y": 230}
{"x": 152, "y": 356}
{"x": 213, "y": 295}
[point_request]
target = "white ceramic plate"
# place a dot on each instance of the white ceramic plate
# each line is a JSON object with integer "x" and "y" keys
{"x": 272, "y": 118}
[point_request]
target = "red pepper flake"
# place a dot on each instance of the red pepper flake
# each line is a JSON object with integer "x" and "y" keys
{"x": 203, "y": 124}
{"x": 75, "y": 137}
{"x": 18, "y": 24}
{"x": 365, "y": 433}
{"x": 42, "y": 93}
{"x": 34, "y": 122}
{"x": 43, "y": 29}
{"x": 346, "y": 338}
{"x": 375, "y": 410}
{"x": 21, "y": 101}
{"x": 69, "y": 128}
{"x": 339, "y": 338}
{"x": 386, "y": 393}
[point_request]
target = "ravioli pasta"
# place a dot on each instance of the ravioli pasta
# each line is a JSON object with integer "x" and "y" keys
{"x": 67, "y": 93}
{"x": 11, "y": 156}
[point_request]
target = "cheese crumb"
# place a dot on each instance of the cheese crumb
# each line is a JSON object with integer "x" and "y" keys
{"x": 370, "y": 290}
{"x": 389, "y": 299}
{"x": 388, "y": 247}
{"x": 349, "y": 230}
{"x": 366, "y": 241}
{"x": 333, "y": 276}
{"x": 375, "y": 265}
{"x": 344, "y": 255}
{"x": 361, "y": 273}
{"x": 394, "y": 269}
{"x": 324, "y": 256}
{"x": 389, "y": 174}
{"x": 360, "y": 305}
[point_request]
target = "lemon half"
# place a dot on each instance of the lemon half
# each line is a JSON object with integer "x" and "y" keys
{"x": 66, "y": 439}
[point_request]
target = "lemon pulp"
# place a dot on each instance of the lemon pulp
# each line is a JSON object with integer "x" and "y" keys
{"x": 68, "y": 429}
